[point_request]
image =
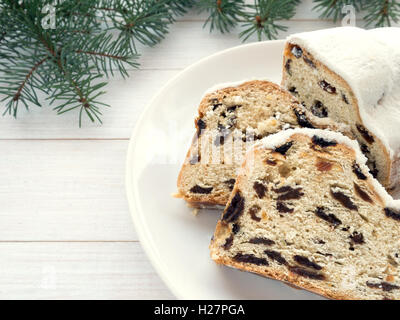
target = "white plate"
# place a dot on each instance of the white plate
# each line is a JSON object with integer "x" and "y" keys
{"x": 175, "y": 240}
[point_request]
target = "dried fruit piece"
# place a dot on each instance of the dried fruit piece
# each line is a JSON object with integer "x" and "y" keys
{"x": 393, "y": 214}
{"x": 344, "y": 98}
{"x": 201, "y": 190}
{"x": 385, "y": 286}
{"x": 233, "y": 108}
{"x": 264, "y": 241}
{"x": 319, "y": 110}
{"x": 228, "y": 242}
{"x": 260, "y": 189}
{"x": 374, "y": 171}
{"x": 304, "y": 261}
{"x": 324, "y": 166}
{"x": 282, "y": 207}
{"x": 309, "y": 62}
{"x": 302, "y": 119}
{"x": 307, "y": 273}
{"x": 365, "y": 134}
{"x": 235, "y": 228}
{"x": 357, "y": 170}
{"x": 201, "y": 125}
{"x": 323, "y": 143}
{"x": 235, "y": 208}
{"x": 357, "y": 238}
{"x": 253, "y": 213}
{"x": 289, "y": 193}
{"x": 327, "y": 87}
{"x": 287, "y": 66}
{"x": 362, "y": 194}
{"x": 284, "y": 148}
{"x": 250, "y": 258}
{"x": 331, "y": 218}
{"x": 293, "y": 90}
{"x": 230, "y": 183}
{"x": 271, "y": 162}
{"x": 275, "y": 255}
{"x": 297, "y": 51}
{"x": 343, "y": 199}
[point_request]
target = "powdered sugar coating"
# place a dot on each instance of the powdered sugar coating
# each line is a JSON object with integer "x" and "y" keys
{"x": 369, "y": 61}
{"x": 280, "y": 138}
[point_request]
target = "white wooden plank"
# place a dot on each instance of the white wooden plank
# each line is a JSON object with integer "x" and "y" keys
{"x": 186, "y": 44}
{"x": 78, "y": 271}
{"x": 64, "y": 190}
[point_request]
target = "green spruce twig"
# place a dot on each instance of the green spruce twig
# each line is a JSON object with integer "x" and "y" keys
{"x": 263, "y": 18}
{"x": 382, "y": 13}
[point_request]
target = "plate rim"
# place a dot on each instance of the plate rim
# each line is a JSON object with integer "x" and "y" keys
{"x": 131, "y": 192}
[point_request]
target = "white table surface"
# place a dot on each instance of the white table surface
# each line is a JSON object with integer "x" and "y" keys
{"x": 65, "y": 227}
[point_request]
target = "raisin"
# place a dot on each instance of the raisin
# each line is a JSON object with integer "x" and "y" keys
{"x": 306, "y": 262}
{"x": 362, "y": 194}
{"x": 309, "y": 62}
{"x": 228, "y": 243}
{"x": 275, "y": 255}
{"x": 283, "y": 189}
{"x": 385, "y": 286}
{"x": 307, "y": 273}
{"x": 327, "y": 87}
{"x": 287, "y": 66}
{"x": 302, "y": 119}
{"x": 260, "y": 189}
{"x": 230, "y": 183}
{"x": 281, "y": 207}
{"x": 391, "y": 213}
{"x": 284, "y": 148}
{"x": 223, "y": 114}
{"x": 319, "y": 110}
{"x": 322, "y": 142}
{"x": 201, "y": 125}
{"x": 253, "y": 213}
{"x": 201, "y": 190}
{"x": 233, "y": 108}
{"x": 374, "y": 171}
{"x": 357, "y": 170}
{"x": 250, "y": 258}
{"x": 331, "y": 218}
{"x": 365, "y": 134}
{"x": 344, "y": 98}
{"x": 235, "y": 228}
{"x": 344, "y": 200}
{"x": 297, "y": 51}
{"x": 234, "y": 209}
{"x": 289, "y": 193}
{"x": 271, "y": 162}
{"x": 264, "y": 241}
{"x": 364, "y": 148}
{"x": 293, "y": 90}
{"x": 195, "y": 159}
{"x": 357, "y": 238}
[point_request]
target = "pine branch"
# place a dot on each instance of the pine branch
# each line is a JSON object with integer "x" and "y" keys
{"x": 223, "y": 14}
{"x": 263, "y": 16}
{"x": 382, "y": 12}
